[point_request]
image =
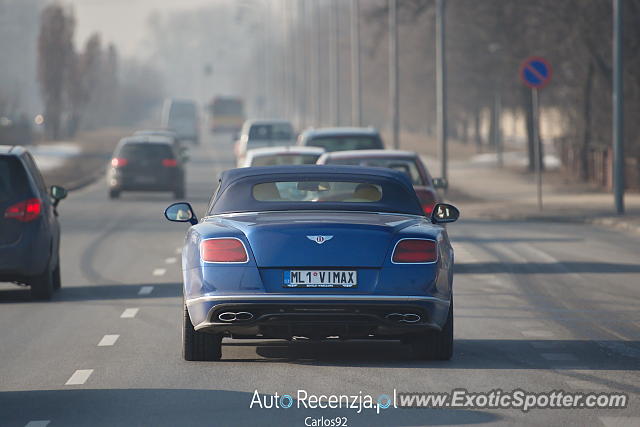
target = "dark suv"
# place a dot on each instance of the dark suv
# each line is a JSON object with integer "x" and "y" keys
{"x": 29, "y": 229}
{"x": 145, "y": 163}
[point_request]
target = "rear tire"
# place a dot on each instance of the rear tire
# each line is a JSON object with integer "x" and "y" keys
{"x": 436, "y": 345}
{"x": 57, "y": 282}
{"x": 42, "y": 285}
{"x": 114, "y": 194}
{"x": 179, "y": 194}
{"x": 199, "y": 346}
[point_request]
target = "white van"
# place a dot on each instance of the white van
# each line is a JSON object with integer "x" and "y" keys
{"x": 181, "y": 116}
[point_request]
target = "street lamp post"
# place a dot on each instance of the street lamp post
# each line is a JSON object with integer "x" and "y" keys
{"x": 441, "y": 86}
{"x": 393, "y": 73}
{"x": 618, "y": 109}
{"x": 356, "y": 87}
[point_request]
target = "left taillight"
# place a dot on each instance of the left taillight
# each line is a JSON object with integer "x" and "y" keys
{"x": 118, "y": 162}
{"x": 24, "y": 211}
{"x": 230, "y": 250}
{"x": 412, "y": 251}
{"x": 169, "y": 163}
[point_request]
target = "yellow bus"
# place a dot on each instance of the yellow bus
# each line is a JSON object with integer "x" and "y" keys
{"x": 226, "y": 114}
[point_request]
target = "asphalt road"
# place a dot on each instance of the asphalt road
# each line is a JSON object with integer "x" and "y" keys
{"x": 538, "y": 307}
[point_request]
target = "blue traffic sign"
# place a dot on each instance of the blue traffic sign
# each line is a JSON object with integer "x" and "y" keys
{"x": 535, "y": 72}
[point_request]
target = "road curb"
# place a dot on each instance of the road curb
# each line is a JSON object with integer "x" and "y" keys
{"x": 609, "y": 222}
{"x": 614, "y": 222}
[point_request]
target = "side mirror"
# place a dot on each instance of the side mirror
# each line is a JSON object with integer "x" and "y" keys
{"x": 181, "y": 212}
{"x": 443, "y": 213}
{"x": 440, "y": 183}
{"x": 57, "y": 193}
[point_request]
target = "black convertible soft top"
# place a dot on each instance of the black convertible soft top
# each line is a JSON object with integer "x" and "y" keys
{"x": 234, "y": 193}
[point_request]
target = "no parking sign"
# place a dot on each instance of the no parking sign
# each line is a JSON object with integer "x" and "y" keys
{"x": 535, "y": 72}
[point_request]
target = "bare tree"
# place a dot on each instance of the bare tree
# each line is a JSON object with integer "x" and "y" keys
{"x": 55, "y": 58}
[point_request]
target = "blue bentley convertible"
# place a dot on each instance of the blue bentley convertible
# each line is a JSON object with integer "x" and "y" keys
{"x": 316, "y": 251}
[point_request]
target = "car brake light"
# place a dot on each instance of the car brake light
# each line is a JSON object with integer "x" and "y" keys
{"x": 25, "y": 211}
{"x": 119, "y": 162}
{"x": 169, "y": 163}
{"x": 223, "y": 250}
{"x": 409, "y": 251}
{"x": 428, "y": 208}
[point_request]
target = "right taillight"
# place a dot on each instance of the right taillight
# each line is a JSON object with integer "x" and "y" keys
{"x": 25, "y": 211}
{"x": 427, "y": 208}
{"x": 119, "y": 162}
{"x": 230, "y": 250}
{"x": 412, "y": 251}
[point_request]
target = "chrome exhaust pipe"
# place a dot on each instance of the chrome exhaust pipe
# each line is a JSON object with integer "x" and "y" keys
{"x": 403, "y": 317}
{"x": 244, "y": 315}
{"x": 227, "y": 316}
{"x": 394, "y": 317}
{"x": 411, "y": 318}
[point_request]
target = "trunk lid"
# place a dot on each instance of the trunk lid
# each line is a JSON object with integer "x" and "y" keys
{"x": 319, "y": 239}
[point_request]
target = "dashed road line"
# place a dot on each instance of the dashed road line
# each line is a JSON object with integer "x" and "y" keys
{"x": 558, "y": 357}
{"x": 145, "y": 290}
{"x": 108, "y": 340}
{"x": 159, "y": 271}
{"x": 79, "y": 377}
{"x": 129, "y": 313}
{"x": 538, "y": 333}
{"x": 38, "y": 423}
{"x": 171, "y": 260}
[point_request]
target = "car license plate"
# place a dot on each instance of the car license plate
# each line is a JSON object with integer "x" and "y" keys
{"x": 320, "y": 279}
{"x": 145, "y": 179}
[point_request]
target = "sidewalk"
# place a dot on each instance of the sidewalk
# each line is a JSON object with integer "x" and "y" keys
{"x": 482, "y": 190}
{"x": 80, "y": 162}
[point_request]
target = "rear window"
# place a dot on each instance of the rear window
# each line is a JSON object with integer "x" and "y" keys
{"x": 285, "y": 159}
{"x": 181, "y": 110}
{"x": 14, "y": 182}
{"x": 407, "y": 166}
{"x": 146, "y": 151}
{"x": 271, "y": 131}
{"x": 343, "y": 143}
{"x": 317, "y": 192}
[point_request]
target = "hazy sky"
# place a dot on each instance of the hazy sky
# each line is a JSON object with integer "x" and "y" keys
{"x": 123, "y": 21}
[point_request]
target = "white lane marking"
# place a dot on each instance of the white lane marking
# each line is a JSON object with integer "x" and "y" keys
{"x": 171, "y": 260}
{"x": 559, "y": 356}
{"x": 620, "y": 421}
{"x": 129, "y": 313}
{"x": 586, "y": 385}
{"x": 463, "y": 253}
{"x": 108, "y": 340}
{"x": 538, "y": 333}
{"x": 38, "y": 423}
{"x": 550, "y": 259}
{"x": 79, "y": 377}
{"x": 179, "y": 250}
{"x": 159, "y": 271}
{"x": 145, "y": 290}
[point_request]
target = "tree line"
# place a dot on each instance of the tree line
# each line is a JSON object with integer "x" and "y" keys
{"x": 90, "y": 87}
{"x": 486, "y": 42}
